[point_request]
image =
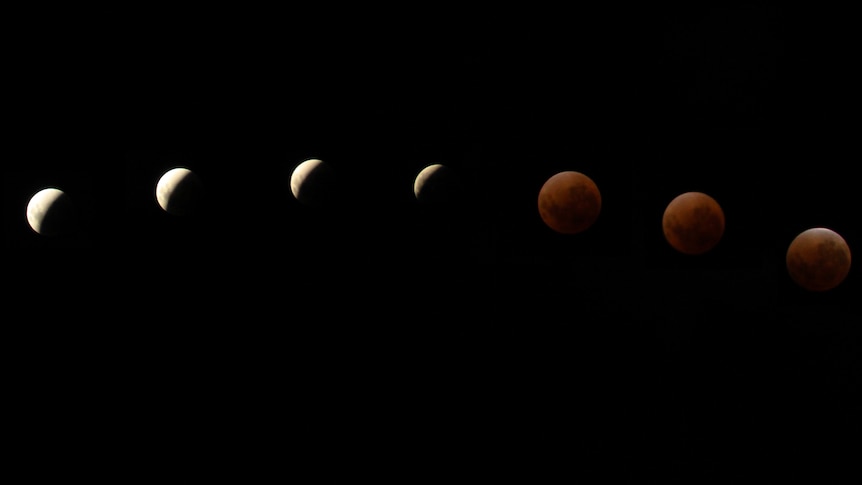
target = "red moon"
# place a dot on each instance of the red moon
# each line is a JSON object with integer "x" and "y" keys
{"x": 818, "y": 259}
{"x": 693, "y": 223}
{"x": 569, "y": 202}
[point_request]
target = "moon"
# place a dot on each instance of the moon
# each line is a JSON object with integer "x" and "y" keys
{"x": 818, "y": 259}
{"x": 179, "y": 191}
{"x": 693, "y": 223}
{"x": 50, "y": 212}
{"x": 310, "y": 182}
{"x": 569, "y": 202}
{"x": 436, "y": 185}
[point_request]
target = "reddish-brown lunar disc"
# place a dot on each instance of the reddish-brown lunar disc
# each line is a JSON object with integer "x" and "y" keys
{"x": 693, "y": 223}
{"x": 569, "y": 202}
{"x": 818, "y": 259}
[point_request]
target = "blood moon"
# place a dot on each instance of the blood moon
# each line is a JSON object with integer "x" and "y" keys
{"x": 569, "y": 202}
{"x": 818, "y": 259}
{"x": 693, "y": 223}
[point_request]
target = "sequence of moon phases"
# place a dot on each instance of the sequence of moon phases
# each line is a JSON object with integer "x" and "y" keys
{"x": 50, "y": 212}
{"x": 569, "y": 202}
{"x": 180, "y": 191}
{"x": 437, "y": 185}
{"x": 311, "y": 182}
{"x": 693, "y": 223}
{"x": 818, "y": 259}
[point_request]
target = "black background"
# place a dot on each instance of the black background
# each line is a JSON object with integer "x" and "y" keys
{"x": 379, "y": 338}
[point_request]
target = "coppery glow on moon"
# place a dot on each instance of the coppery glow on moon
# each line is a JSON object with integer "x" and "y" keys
{"x": 818, "y": 259}
{"x": 569, "y": 202}
{"x": 693, "y": 223}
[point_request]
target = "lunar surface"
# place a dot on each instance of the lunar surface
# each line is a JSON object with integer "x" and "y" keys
{"x": 818, "y": 259}
{"x": 436, "y": 185}
{"x": 693, "y": 223}
{"x": 311, "y": 182}
{"x": 180, "y": 191}
{"x": 569, "y": 202}
{"x": 50, "y": 212}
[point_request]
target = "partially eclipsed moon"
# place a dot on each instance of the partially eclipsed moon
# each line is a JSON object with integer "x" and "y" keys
{"x": 436, "y": 185}
{"x": 310, "y": 182}
{"x": 693, "y": 223}
{"x": 818, "y": 259}
{"x": 179, "y": 191}
{"x": 49, "y": 212}
{"x": 569, "y": 202}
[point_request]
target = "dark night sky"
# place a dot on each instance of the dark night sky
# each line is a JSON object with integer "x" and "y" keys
{"x": 606, "y": 351}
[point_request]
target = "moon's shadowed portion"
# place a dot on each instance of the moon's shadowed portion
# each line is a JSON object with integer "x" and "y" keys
{"x": 693, "y": 223}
